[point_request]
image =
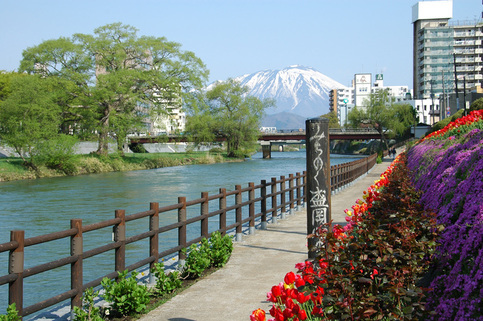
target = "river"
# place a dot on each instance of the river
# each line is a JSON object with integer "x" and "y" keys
{"x": 47, "y": 205}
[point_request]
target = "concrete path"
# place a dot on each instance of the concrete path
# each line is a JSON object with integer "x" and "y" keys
{"x": 257, "y": 263}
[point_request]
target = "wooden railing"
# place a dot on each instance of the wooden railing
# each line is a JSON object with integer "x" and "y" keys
{"x": 243, "y": 206}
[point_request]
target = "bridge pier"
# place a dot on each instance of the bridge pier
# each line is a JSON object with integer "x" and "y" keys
{"x": 266, "y": 149}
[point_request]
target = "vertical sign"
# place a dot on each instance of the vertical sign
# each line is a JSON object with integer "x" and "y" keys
{"x": 318, "y": 178}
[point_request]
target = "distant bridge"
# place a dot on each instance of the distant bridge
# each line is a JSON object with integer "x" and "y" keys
{"x": 283, "y": 135}
{"x": 267, "y": 139}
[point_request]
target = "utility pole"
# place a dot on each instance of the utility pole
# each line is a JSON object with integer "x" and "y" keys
{"x": 456, "y": 83}
{"x": 432, "y": 101}
{"x": 443, "y": 108}
{"x": 464, "y": 95}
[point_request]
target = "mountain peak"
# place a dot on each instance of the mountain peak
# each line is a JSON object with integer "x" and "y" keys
{"x": 297, "y": 89}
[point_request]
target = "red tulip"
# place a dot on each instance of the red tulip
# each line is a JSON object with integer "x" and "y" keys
{"x": 258, "y": 315}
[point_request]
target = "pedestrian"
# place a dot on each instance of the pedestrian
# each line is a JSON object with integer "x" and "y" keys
{"x": 393, "y": 151}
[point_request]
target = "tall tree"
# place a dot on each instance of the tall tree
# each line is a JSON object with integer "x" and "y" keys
{"x": 116, "y": 73}
{"x": 28, "y": 116}
{"x": 227, "y": 111}
{"x": 382, "y": 114}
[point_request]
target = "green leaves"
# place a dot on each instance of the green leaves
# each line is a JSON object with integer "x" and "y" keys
{"x": 226, "y": 111}
{"x": 214, "y": 252}
{"x": 125, "y": 294}
{"x": 12, "y": 314}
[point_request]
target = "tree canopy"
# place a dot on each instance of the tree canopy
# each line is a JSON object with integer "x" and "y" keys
{"x": 382, "y": 114}
{"x": 227, "y": 111}
{"x": 112, "y": 80}
{"x": 28, "y": 115}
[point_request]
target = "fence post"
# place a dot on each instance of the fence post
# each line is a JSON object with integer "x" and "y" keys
{"x": 282, "y": 197}
{"x": 299, "y": 191}
{"x": 251, "y": 207}
{"x": 16, "y": 266}
{"x": 291, "y": 193}
{"x": 154, "y": 239}
{"x": 222, "y": 206}
{"x": 274, "y": 200}
{"x": 318, "y": 179}
{"x": 76, "y": 249}
{"x": 120, "y": 236}
{"x": 263, "y": 205}
{"x": 304, "y": 184}
{"x": 238, "y": 211}
{"x": 204, "y": 211}
{"x": 182, "y": 230}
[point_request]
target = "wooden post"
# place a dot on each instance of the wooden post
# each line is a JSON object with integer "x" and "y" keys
{"x": 154, "y": 239}
{"x": 274, "y": 200}
{"x": 205, "y": 209}
{"x": 182, "y": 230}
{"x": 251, "y": 207}
{"x": 299, "y": 190}
{"x": 16, "y": 266}
{"x": 222, "y": 206}
{"x": 238, "y": 211}
{"x": 282, "y": 197}
{"x": 263, "y": 204}
{"x": 120, "y": 236}
{"x": 76, "y": 249}
{"x": 291, "y": 193}
{"x": 318, "y": 179}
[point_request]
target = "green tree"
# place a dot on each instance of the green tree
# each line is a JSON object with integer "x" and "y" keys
{"x": 112, "y": 75}
{"x": 28, "y": 116}
{"x": 227, "y": 111}
{"x": 333, "y": 120}
{"x": 382, "y": 114}
{"x": 476, "y": 105}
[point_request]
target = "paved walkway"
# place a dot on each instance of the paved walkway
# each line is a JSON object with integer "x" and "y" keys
{"x": 257, "y": 263}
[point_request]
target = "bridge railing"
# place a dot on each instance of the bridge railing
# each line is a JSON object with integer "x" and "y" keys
{"x": 226, "y": 211}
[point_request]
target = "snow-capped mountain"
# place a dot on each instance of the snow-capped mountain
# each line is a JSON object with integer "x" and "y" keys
{"x": 298, "y": 90}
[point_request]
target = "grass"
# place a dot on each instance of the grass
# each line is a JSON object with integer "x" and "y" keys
{"x": 12, "y": 168}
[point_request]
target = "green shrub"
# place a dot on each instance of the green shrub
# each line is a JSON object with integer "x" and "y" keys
{"x": 208, "y": 253}
{"x": 198, "y": 259}
{"x": 57, "y": 153}
{"x": 126, "y": 295}
{"x": 221, "y": 248}
{"x": 88, "y": 312}
{"x": 166, "y": 282}
{"x": 12, "y": 314}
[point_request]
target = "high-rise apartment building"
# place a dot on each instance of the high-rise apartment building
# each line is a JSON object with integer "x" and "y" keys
{"x": 439, "y": 45}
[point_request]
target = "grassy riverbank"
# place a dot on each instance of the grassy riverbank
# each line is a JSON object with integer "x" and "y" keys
{"x": 12, "y": 168}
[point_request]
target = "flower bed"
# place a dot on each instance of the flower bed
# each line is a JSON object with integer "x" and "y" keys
{"x": 448, "y": 169}
{"x": 385, "y": 263}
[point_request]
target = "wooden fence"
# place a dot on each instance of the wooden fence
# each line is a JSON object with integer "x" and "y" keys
{"x": 243, "y": 206}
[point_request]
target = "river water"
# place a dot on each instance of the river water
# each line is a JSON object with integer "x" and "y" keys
{"x": 47, "y": 205}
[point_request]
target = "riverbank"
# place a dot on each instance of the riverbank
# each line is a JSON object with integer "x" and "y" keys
{"x": 12, "y": 168}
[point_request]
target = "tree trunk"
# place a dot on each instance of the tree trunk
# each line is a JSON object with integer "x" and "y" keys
{"x": 103, "y": 146}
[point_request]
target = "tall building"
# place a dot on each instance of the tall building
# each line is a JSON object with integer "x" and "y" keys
{"x": 439, "y": 45}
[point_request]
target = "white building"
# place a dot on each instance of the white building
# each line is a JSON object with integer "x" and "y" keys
{"x": 342, "y": 100}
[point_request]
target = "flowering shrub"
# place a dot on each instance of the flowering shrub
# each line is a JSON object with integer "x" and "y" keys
{"x": 460, "y": 125}
{"x": 368, "y": 269}
{"x": 448, "y": 168}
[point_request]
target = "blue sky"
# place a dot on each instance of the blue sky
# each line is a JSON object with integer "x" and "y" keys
{"x": 234, "y": 37}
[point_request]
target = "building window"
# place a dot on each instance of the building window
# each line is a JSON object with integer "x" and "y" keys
{"x": 425, "y": 107}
